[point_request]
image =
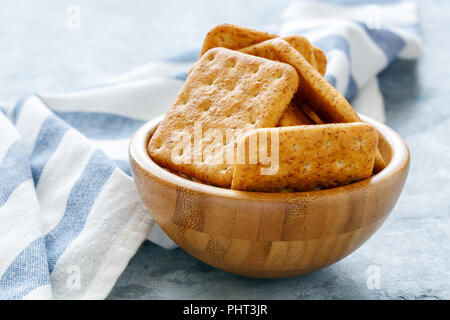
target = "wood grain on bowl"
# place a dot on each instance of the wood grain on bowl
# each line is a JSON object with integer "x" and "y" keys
{"x": 269, "y": 235}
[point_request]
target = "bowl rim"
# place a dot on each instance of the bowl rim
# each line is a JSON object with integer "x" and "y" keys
{"x": 138, "y": 153}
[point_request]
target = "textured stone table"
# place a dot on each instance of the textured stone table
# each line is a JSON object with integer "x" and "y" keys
{"x": 411, "y": 250}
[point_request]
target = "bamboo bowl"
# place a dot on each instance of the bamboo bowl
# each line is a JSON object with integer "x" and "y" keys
{"x": 269, "y": 235}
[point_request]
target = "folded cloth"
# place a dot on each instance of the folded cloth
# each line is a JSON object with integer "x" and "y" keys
{"x": 360, "y": 41}
{"x": 70, "y": 215}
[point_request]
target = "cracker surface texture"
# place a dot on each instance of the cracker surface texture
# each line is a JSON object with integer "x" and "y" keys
{"x": 309, "y": 53}
{"x": 294, "y": 116}
{"x": 233, "y": 37}
{"x": 225, "y": 90}
{"x": 299, "y": 43}
{"x": 327, "y": 102}
{"x": 321, "y": 60}
{"x": 252, "y": 42}
{"x": 309, "y": 157}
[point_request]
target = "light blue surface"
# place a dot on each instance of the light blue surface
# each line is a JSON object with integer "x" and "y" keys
{"x": 411, "y": 249}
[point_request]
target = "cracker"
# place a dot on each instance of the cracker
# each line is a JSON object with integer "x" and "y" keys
{"x": 304, "y": 47}
{"x": 300, "y": 43}
{"x": 233, "y": 37}
{"x": 236, "y": 37}
{"x": 303, "y": 109}
{"x": 309, "y": 112}
{"x": 318, "y": 93}
{"x": 247, "y": 40}
{"x": 292, "y": 119}
{"x": 293, "y": 116}
{"x": 309, "y": 157}
{"x": 320, "y": 64}
{"x": 321, "y": 60}
{"x": 225, "y": 90}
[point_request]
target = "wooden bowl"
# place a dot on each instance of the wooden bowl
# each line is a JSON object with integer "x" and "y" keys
{"x": 269, "y": 235}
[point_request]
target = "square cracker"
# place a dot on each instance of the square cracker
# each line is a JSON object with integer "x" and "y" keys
{"x": 328, "y": 103}
{"x": 302, "y": 108}
{"x": 236, "y": 37}
{"x": 233, "y": 37}
{"x": 225, "y": 90}
{"x": 314, "y": 56}
{"x": 309, "y": 157}
{"x": 294, "y": 116}
{"x": 245, "y": 39}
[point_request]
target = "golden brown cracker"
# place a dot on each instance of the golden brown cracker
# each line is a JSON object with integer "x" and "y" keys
{"x": 236, "y": 37}
{"x": 318, "y": 93}
{"x": 233, "y": 37}
{"x": 293, "y": 116}
{"x": 298, "y": 42}
{"x": 225, "y": 90}
{"x": 309, "y": 112}
{"x": 315, "y": 89}
{"x": 304, "y": 47}
{"x": 321, "y": 60}
{"x": 298, "y": 104}
{"x": 309, "y": 157}
{"x": 326, "y": 100}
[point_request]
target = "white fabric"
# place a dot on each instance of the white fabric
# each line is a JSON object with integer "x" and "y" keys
{"x": 70, "y": 214}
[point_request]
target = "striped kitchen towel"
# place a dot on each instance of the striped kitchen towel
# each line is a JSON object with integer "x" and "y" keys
{"x": 70, "y": 216}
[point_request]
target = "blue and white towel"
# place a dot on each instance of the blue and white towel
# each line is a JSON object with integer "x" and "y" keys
{"x": 70, "y": 216}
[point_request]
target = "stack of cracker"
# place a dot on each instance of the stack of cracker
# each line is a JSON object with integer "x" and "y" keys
{"x": 256, "y": 114}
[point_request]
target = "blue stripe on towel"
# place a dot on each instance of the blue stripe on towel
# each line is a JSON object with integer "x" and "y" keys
{"x": 47, "y": 142}
{"x": 331, "y": 79}
{"x": 14, "y": 170}
{"x": 352, "y": 88}
{"x": 333, "y": 41}
{"x": 79, "y": 204}
{"x": 388, "y": 41}
{"x": 28, "y": 271}
{"x": 101, "y": 125}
